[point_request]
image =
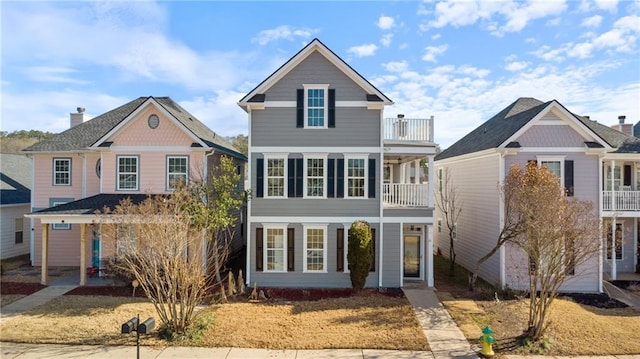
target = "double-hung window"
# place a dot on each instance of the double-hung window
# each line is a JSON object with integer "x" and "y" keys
{"x": 554, "y": 164}
{"x": 127, "y": 177}
{"x": 316, "y": 106}
{"x": 314, "y": 183}
{"x": 62, "y": 171}
{"x": 177, "y": 171}
{"x": 125, "y": 238}
{"x": 618, "y": 237}
{"x": 617, "y": 178}
{"x": 275, "y": 248}
{"x": 276, "y": 175}
{"x": 315, "y": 246}
{"x": 356, "y": 177}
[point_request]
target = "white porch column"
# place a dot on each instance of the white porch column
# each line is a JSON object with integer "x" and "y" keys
{"x": 83, "y": 254}
{"x": 614, "y": 269}
{"x": 613, "y": 182}
{"x": 416, "y": 164}
{"x": 44, "y": 270}
{"x": 431, "y": 174}
{"x": 429, "y": 252}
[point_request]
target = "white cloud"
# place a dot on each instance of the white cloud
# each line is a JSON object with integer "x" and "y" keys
{"x": 581, "y": 51}
{"x": 363, "y": 50}
{"x": 516, "y": 66}
{"x": 386, "y": 40}
{"x": 430, "y": 52}
{"x": 283, "y": 32}
{"x": 593, "y": 21}
{"x": 396, "y": 66}
{"x": 53, "y": 74}
{"x": 435, "y": 36}
{"x": 219, "y": 112}
{"x": 385, "y": 22}
{"x": 519, "y": 17}
{"x": 608, "y": 5}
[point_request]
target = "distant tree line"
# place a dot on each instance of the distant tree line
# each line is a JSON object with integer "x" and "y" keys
{"x": 14, "y": 142}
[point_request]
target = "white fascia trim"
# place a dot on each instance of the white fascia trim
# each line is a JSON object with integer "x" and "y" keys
{"x": 620, "y": 214}
{"x": 408, "y": 220}
{"x": 65, "y": 219}
{"x": 313, "y": 219}
{"x": 151, "y": 101}
{"x": 292, "y": 104}
{"x": 417, "y": 150}
{"x": 631, "y": 157}
{"x": 300, "y": 149}
{"x": 155, "y": 149}
{"x": 469, "y": 156}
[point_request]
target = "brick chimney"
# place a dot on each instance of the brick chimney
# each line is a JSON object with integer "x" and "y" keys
{"x": 625, "y": 128}
{"x": 78, "y": 117}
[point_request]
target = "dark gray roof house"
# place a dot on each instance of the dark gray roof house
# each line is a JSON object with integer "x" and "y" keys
{"x": 15, "y": 179}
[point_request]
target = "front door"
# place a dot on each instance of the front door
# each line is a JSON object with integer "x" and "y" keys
{"x": 412, "y": 256}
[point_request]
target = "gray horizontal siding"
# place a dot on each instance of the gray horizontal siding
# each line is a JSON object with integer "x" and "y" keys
{"x": 392, "y": 261}
{"x": 315, "y": 69}
{"x": 331, "y": 279}
{"x": 408, "y": 212}
{"x": 277, "y": 127}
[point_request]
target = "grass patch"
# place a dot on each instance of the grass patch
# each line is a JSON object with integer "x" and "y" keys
{"x": 10, "y": 298}
{"x": 575, "y": 329}
{"x": 369, "y": 320}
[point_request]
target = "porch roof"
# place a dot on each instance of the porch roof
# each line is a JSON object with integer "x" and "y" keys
{"x": 90, "y": 205}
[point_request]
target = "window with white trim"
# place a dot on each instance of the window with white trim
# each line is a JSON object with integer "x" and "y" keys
{"x": 619, "y": 240}
{"x": 127, "y": 176}
{"x": 314, "y": 176}
{"x": 62, "y": 171}
{"x": 555, "y": 165}
{"x": 617, "y": 178}
{"x": 276, "y": 175}
{"x": 177, "y": 171}
{"x": 356, "y": 177}
{"x": 125, "y": 238}
{"x": 275, "y": 248}
{"x": 315, "y": 106}
{"x": 315, "y": 246}
{"x": 59, "y": 225}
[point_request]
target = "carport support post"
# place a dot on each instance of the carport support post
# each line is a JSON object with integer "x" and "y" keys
{"x": 83, "y": 255}
{"x": 44, "y": 270}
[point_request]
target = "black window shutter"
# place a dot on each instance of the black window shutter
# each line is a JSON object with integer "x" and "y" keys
{"x": 290, "y": 249}
{"x": 291, "y": 177}
{"x": 372, "y": 178}
{"x": 259, "y": 241}
{"x": 340, "y": 250}
{"x": 373, "y": 250}
{"x": 260, "y": 177}
{"x": 331, "y": 177}
{"x": 340, "y": 177}
{"x": 568, "y": 177}
{"x": 299, "y": 176}
{"x": 300, "y": 108}
{"x": 626, "y": 180}
{"x": 332, "y": 108}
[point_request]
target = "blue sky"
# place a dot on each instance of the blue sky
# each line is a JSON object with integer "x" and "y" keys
{"x": 459, "y": 61}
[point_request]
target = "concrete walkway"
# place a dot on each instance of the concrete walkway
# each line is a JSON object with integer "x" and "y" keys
{"x": 444, "y": 337}
{"x": 627, "y": 297}
{"x": 31, "y": 301}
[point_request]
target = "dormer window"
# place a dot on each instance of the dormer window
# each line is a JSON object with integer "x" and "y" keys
{"x": 316, "y": 106}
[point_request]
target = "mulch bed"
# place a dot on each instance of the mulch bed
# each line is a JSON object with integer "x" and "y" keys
{"x": 601, "y": 300}
{"x": 7, "y": 288}
{"x": 108, "y": 291}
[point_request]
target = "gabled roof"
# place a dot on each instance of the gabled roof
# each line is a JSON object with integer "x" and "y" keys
{"x": 81, "y": 137}
{"x": 504, "y": 125}
{"x": 15, "y": 179}
{"x": 630, "y": 145}
{"x": 257, "y": 94}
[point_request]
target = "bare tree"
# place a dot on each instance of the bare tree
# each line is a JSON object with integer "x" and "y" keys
{"x": 559, "y": 235}
{"x": 155, "y": 244}
{"x": 450, "y": 206}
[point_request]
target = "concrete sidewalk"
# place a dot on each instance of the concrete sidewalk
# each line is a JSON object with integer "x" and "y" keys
{"x": 627, "y": 297}
{"x": 31, "y": 301}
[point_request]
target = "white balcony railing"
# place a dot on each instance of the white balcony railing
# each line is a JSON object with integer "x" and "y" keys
{"x": 406, "y": 194}
{"x": 408, "y": 129}
{"x": 621, "y": 200}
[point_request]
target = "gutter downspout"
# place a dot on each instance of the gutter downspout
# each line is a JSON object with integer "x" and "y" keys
{"x": 380, "y": 202}
{"x": 249, "y": 178}
{"x": 32, "y": 243}
{"x": 601, "y": 244}
{"x": 502, "y": 251}
{"x": 205, "y": 170}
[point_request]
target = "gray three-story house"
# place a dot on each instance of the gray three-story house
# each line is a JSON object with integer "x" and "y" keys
{"x": 321, "y": 156}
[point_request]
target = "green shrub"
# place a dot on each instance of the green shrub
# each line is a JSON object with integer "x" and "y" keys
{"x": 359, "y": 253}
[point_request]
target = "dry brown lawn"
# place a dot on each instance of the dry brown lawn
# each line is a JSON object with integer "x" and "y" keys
{"x": 10, "y": 298}
{"x": 372, "y": 321}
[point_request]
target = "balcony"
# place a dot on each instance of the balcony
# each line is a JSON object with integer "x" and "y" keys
{"x": 402, "y": 129}
{"x": 621, "y": 200}
{"x": 405, "y": 195}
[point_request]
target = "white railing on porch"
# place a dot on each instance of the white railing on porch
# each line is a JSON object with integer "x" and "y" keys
{"x": 408, "y": 129}
{"x": 621, "y": 200}
{"x": 406, "y": 194}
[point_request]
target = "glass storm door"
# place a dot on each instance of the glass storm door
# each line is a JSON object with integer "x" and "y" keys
{"x": 412, "y": 256}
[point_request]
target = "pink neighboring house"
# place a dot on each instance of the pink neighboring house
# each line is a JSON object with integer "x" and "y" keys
{"x": 142, "y": 147}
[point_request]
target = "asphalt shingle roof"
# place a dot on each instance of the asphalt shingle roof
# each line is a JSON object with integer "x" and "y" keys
{"x": 15, "y": 179}
{"x": 86, "y": 134}
{"x": 507, "y": 122}
{"x": 90, "y": 205}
